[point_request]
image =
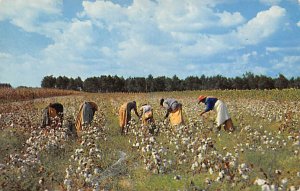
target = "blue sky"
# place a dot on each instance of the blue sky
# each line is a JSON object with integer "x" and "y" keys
{"x": 141, "y": 37}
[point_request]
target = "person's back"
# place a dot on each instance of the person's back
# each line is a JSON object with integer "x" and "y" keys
{"x": 170, "y": 104}
{"x": 131, "y": 105}
{"x": 125, "y": 114}
{"x": 51, "y": 111}
{"x": 210, "y": 103}
{"x": 87, "y": 113}
{"x": 145, "y": 108}
{"x": 174, "y": 110}
{"x": 45, "y": 117}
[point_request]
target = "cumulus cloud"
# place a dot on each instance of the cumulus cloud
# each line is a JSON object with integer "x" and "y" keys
{"x": 298, "y": 24}
{"x": 159, "y": 37}
{"x": 193, "y": 16}
{"x": 231, "y": 19}
{"x": 262, "y": 26}
{"x": 145, "y": 58}
{"x": 165, "y": 23}
{"x": 104, "y": 13}
{"x": 206, "y": 46}
{"x": 184, "y": 16}
{"x": 73, "y": 42}
{"x": 27, "y": 14}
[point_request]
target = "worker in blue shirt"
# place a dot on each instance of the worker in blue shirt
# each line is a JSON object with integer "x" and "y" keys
{"x": 223, "y": 116}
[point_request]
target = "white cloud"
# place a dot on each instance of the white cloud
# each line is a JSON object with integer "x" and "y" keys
{"x": 159, "y": 37}
{"x": 291, "y": 59}
{"x": 185, "y": 16}
{"x": 288, "y": 65}
{"x": 262, "y": 26}
{"x": 206, "y": 46}
{"x": 298, "y": 24}
{"x": 154, "y": 22}
{"x": 193, "y": 16}
{"x": 270, "y": 2}
{"x": 4, "y": 55}
{"x": 74, "y": 42}
{"x": 134, "y": 53}
{"x": 282, "y": 49}
{"x": 106, "y": 51}
{"x": 26, "y": 14}
{"x": 245, "y": 58}
{"x": 104, "y": 13}
{"x": 231, "y": 19}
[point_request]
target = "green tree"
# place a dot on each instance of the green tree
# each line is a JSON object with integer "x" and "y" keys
{"x": 91, "y": 84}
{"x": 281, "y": 82}
{"x": 150, "y": 83}
{"x": 78, "y": 83}
{"x": 265, "y": 82}
{"x": 62, "y": 82}
{"x": 159, "y": 83}
{"x": 48, "y": 82}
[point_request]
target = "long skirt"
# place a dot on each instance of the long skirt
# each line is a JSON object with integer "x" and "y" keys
{"x": 222, "y": 112}
{"x": 79, "y": 119}
{"x": 176, "y": 117}
{"x": 123, "y": 117}
{"x": 86, "y": 114}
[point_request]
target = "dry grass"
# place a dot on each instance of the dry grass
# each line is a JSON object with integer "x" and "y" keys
{"x": 21, "y": 94}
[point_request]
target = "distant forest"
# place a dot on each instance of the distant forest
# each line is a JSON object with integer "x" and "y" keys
{"x": 153, "y": 84}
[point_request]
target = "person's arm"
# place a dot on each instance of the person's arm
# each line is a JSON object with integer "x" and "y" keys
{"x": 168, "y": 112}
{"x": 141, "y": 110}
{"x": 203, "y": 112}
{"x": 135, "y": 111}
{"x": 209, "y": 106}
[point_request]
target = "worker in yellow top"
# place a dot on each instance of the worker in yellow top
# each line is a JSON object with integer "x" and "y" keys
{"x": 125, "y": 114}
{"x": 86, "y": 114}
{"x": 146, "y": 114}
{"x": 50, "y": 112}
{"x": 174, "y": 110}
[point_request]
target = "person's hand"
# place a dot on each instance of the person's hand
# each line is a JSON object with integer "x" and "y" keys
{"x": 165, "y": 121}
{"x": 201, "y": 114}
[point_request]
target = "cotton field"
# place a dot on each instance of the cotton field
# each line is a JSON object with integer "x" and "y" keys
{"x": 261, "y": 154}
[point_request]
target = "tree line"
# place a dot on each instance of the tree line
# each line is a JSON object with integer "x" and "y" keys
{"x": 5, "y": 85}
{"x": 115, "y": 83}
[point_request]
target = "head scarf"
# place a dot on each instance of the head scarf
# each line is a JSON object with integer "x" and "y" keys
{"x": 200, "y": 98}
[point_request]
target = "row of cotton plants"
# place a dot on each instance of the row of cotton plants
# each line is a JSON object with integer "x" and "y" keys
{"x": 191, "y": 147}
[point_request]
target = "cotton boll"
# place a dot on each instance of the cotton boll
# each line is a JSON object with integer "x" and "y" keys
{"x": 260, "y": 182}
{"x": 211, "y": 171}
{"x": 284, "y": 183}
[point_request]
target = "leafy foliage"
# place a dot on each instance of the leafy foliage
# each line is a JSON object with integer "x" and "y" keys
{"x": 162, "y": 83}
